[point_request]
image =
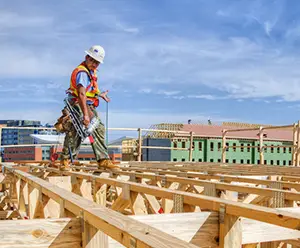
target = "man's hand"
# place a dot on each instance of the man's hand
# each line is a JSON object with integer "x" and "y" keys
{"x": 86, "y": 120}
{"x": 104, "y": 96}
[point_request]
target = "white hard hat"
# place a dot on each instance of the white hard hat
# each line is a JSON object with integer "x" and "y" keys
{"x": 97, "y": 53}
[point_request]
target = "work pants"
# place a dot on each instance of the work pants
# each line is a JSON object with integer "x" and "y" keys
{"x": 73, "y": 141}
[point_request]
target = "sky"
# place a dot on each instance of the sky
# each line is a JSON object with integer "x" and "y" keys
{"x": 167, "y": 61}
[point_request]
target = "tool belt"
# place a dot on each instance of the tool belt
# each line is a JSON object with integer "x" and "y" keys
{"x": 64, "y": 123}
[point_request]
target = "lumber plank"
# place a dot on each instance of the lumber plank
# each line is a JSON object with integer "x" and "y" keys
{"x": 114, "y": 224}
{"x": 271, "y": 216}
{"x": 42, "y": 233}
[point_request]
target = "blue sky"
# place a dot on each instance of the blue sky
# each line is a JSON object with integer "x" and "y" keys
{"x": 166, "y": 60}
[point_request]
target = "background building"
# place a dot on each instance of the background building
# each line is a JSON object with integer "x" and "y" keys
{"x": 15, "y": 136}
{"x": 18, "y": 136}
{"x": 207, "y": 144}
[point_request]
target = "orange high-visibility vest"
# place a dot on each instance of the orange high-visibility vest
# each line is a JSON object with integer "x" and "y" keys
{"x": 91, "y": 95}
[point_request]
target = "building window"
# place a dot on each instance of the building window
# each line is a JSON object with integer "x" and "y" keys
{"x": 211, "y": 146}
{"x": 233, "y": 161}
{"x": 278, "y": 149}
{"x": 290, "y": 162}
{"x": 234, "y": 147}
{"x": 284, "y": 162}
{"x": 226, "y": 161}
{"x": 272, "y": 149}
{"x": 219, "y": 160}
{"x": 183, "y": 159}
{"x": 278, "y": 162}
{"x": 175, "y": 159}
{"x": 265, "y": 162}
{"x": 271, "y": 162}
{"x": 175, "y": 144}
{"x": 200, "y": 159}
{"x": 248, "y": 147}
{"x": 290, "y": 149}
{"x": 258, "y": 161}
{"x": 193, "y": 159}
{"x": 219, "y": 146}
{"x": 242, "y": 147}
{"x": 227, "y": 148}
{"x": 248, "y": 161}
{"x": 212, "y": 160}
{"x": 284, "y": 149}
{"x": 183, "y": 144}
{"x": 200, "y": 146}
{"x": 242, "y": 161}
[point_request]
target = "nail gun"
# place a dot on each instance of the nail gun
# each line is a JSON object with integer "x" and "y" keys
{"x": 77, "y": 121}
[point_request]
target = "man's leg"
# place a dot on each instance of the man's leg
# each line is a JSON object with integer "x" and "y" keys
{"x": 71, "y": 147}
{"x": 99, "y": 146}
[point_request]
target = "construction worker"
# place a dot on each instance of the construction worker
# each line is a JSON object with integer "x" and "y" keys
{"x": 83, "y": 95}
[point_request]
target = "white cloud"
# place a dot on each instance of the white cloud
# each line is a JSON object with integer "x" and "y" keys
{"x": 15, "y": 20}
{"x": 207, "y": 97}
{"x": 146, "y": 90}
{"x": 168, "y": 93}
{"x": 148, "y": 118}
{"x": 237, "y": 66}
{"x": 38, "y": 115}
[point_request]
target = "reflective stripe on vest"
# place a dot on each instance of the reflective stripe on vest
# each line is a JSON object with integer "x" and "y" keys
{"x": 91, "y": 95}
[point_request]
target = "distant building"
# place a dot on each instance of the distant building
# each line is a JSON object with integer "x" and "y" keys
{"x": 207, "y": 144}
{"x": 22, "y": 153}
{"x": 18, "y": 136}
{"x": 14, "y": 136}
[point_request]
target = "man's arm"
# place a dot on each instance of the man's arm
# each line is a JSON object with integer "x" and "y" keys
{"x": 82, "y": 104}
{"x": 104, "y": 96}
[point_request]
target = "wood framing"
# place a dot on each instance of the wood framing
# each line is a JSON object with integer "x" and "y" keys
{"x": 132, "y": 206}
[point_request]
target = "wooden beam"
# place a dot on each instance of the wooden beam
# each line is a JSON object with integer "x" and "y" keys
{"x": 230, "y": 230}
{"x": 112, "y": 223}
{"x": 272, "y": 216}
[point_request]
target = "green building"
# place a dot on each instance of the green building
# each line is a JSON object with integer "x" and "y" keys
{"x": 242, "y": 147}
{"x": 245, "y": 152}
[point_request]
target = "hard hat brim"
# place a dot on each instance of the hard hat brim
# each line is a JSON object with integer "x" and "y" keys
{"x": 95, "y": 58}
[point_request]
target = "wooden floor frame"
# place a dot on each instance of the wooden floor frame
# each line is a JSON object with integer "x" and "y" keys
{"x": 156, "y": 188}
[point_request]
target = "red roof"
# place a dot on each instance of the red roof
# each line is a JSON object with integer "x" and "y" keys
{"x": 216, "y": 131}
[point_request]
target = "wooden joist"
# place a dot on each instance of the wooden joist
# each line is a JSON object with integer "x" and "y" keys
{"x": 271, "y": 216}
{"x": 119, "y": 227}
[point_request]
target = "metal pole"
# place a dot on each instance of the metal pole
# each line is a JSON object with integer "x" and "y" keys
{"x": 140, "y": 145}
{"x": 106, "y": 123}
{"x": 294, "y": 148}
{"x": 298, "y": 145}
{"x": 191, "y": 146}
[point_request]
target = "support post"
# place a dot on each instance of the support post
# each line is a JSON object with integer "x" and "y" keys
{"x": 224, "y": 145}
{"x": 191, "y": 146}
{"x": 261, "y": 145}
{"x": 92, "y": 237}
{"x": 230, "y": 235}
{"x": 140, "y": 145}
{"x": 294, "y": 148}
{"x": 298, "y": 145}
{"x": 0, "y": 145}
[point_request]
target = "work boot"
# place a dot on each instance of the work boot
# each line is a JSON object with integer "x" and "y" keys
{"x": 107, "y": 163}
{"x": 64, "y": 164}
